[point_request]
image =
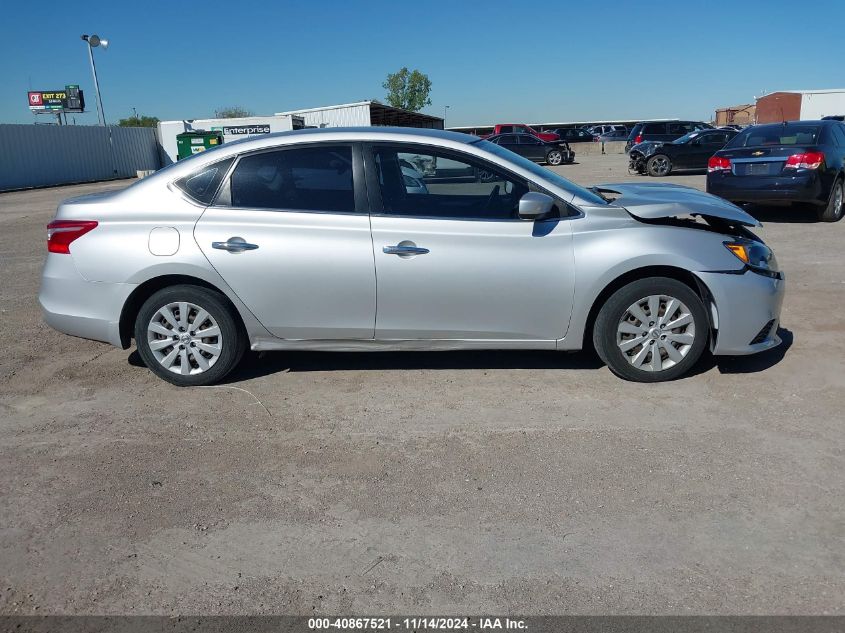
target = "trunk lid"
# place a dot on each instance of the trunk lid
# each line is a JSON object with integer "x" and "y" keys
{"x": 653, "y": 201}
{"x": 763, "y": 160}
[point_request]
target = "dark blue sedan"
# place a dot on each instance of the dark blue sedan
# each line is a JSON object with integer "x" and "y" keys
{"x": 800, "y": 162}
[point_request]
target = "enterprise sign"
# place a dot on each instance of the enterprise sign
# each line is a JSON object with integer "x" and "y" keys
{"x": 233, "y": 130}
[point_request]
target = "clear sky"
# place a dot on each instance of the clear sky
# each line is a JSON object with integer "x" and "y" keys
{"x": 490, "y": 61}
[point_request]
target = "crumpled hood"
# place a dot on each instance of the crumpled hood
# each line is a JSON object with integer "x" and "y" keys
{"x": 652, "y": 201}
{"x": 647, "y": 148}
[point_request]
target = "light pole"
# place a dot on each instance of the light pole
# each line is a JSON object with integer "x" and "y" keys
{"x": 444, "y": 115}
{"x": 93, "y": 41}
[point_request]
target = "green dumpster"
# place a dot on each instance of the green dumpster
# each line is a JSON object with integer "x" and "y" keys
{"x": 190, "y": 143}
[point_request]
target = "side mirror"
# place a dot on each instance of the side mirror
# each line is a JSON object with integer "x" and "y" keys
{"x": 534, "y": 205}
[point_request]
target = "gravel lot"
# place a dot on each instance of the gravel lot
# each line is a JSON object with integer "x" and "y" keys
{"x": 423, "y": 483}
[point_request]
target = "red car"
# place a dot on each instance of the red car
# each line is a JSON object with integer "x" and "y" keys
{"x": 521, "y": 128}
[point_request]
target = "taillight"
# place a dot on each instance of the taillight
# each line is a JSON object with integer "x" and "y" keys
{"x": 60, "y": 233}
{"x": 807, "y": 160}
{"x": 718, "y": 163}
{"x": 638, "y": 139}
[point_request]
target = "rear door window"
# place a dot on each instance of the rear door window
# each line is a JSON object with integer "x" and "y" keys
{"x": 718, "y": 139}
{"x": 298, "y": 179}
{"x": 654, "y": 128}
{"x": 680, "y": 128}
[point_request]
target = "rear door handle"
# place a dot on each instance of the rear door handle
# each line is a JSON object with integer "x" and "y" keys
{"x": 234, "y": 245}
{"x": 404, "y": 249}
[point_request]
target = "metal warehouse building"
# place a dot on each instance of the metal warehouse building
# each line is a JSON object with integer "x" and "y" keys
{"x": 794, "y": 105}
{"x": 364, "y": 113}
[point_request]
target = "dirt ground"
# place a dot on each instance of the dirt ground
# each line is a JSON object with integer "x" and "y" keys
{"x": 530, "y": 483}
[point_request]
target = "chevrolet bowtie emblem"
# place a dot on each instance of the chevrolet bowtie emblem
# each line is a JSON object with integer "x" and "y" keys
{"x": 757, "y": 153}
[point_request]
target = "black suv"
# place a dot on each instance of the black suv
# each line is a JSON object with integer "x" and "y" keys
{"x": 662, "y": 131}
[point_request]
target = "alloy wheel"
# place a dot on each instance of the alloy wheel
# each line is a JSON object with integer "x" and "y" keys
{"x": 656, "y": 333}
{"x": 184, "y": 338}
{"x": 660, "y": 165}
{"x": 554, "y": 158}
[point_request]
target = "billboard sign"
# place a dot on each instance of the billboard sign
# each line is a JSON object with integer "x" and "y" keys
{"x": 70, "y": 99}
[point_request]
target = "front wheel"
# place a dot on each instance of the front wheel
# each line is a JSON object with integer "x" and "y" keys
{"x": 188, "y": 335}
{"x": 554, "y": 157}
{"x": 659, "y": 165}
{"x": 833, "y": 211}
{"x": 651, "y": 330}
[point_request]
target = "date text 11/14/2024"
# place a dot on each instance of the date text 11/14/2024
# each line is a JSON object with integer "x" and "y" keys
{"x": 421, "y": 623}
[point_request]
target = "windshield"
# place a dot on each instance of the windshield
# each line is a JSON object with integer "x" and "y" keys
{"x": 778, "y": 134}
{"x": 542, "y": 172}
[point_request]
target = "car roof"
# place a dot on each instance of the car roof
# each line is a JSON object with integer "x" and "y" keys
{"x": 358, "y": 133}
{"x": 456, "y": 140}
{"x": 803, "y": 122}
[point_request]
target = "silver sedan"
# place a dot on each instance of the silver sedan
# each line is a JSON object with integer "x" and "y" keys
{"x": 400, "y": 239}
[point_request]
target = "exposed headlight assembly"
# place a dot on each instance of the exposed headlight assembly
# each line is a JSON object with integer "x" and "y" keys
{"x": 755, "y": 255}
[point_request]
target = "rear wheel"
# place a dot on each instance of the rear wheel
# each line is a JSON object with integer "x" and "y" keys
{"x": 188, "y": 335}
{"x": 651, "y": 330}
{"x": 554, "y": 157}
{"x": 659, "y": 165}
{"x": 833, "y": 211}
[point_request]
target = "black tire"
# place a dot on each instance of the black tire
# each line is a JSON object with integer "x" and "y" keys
{"x": 655, "y": 165}
{"x": 832, "y": 211}
{"x": 611, "y": 314}
{"x": 232, "y": 340}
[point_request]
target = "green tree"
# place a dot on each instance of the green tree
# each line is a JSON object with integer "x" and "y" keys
{"x": 231, "y": 112}
{"x": 139, "y": 121}
{"x": 408, "y": 89}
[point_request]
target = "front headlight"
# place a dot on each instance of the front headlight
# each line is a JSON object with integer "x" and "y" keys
{"x": 756, "y": 255}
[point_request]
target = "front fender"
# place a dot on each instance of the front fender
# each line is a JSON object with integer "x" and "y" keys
{"x": 604, "y": 256}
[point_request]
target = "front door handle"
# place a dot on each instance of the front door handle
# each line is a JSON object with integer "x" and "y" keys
{"x": 234, "y": 245}
{"x": 405, "y": 249}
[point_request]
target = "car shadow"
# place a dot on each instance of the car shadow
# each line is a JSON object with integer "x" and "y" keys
{"x": 784, "y": 213}
{"x": 257, "y": 365}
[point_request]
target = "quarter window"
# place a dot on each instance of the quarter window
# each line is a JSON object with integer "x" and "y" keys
{"x": 839, "y": 134}
{"x": 430, "y": 183}
{"x": 298, "y": 179}
{"x": 203, "y": 184}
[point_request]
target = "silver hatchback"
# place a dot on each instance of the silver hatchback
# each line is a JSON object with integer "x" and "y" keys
{"x": 368, "y": 239}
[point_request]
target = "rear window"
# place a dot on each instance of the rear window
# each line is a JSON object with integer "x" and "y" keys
{"x": 635, "y": 130}
{"x": 777, "y": 135}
